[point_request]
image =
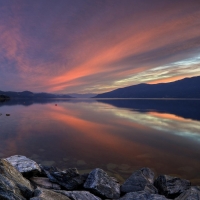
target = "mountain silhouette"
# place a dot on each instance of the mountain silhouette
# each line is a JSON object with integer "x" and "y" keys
{"x": 185, "y": 88}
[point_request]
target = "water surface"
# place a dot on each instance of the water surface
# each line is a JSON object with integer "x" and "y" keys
{"x": 119, "y": 136}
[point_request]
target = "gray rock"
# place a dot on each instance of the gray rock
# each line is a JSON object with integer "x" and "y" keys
{"x": 77, "y": 195}
{"x": 140, "y": 180}
{"x": 191, "y": 194}
{"x": 142, "y": 195}
{"x": 171, "y": 187}
{"x": 70, "y": 179}
{"x": 99, "y": 183}
{"x": 44, "y": 194}
{"x": 24, "y": 165}
{"x": 13, "y": 185}
{"x": 44, "y": 183}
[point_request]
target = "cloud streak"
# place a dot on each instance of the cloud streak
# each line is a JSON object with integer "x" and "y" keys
{"x": 96, "y": 46}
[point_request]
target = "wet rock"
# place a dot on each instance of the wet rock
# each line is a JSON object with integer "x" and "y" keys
{"x": 77, "y": 195}
{"x": 140, "y": 180}
{"x": 70, "y": 179}
{"x": 44, "y": 183}
{"x": 12, "y": 184}
{"x": 24, "y": 165}
{"x": 44, "y": 194}
{"x": 171, "y": 187}
{"x": 191, "y": 194}
{"x": 99, "y": 183}
{"x": 142, "y": 195}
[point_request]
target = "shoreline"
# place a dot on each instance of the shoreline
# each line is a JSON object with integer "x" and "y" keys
{"x": 22, "y": 178}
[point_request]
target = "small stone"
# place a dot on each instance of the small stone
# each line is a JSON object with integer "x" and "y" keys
{"x": 24, "y": 165}
{"x": 99, "y": 183}
{"x": 170, "y": 186}
{"x": 79, "y": 195}
{"x": 111, "y": 166}
{"x": 44, "y": 183}
{"x": 142, "y": 195}
{"x": 140, "y": 180}
{"x": 44, "y": 194}
{"x": 70, "y": 179}
{"x": 48, "y": 162}
{"x": 191, "y": 194}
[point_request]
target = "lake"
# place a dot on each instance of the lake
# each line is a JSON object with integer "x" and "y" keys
{"x": 119, "y": 136}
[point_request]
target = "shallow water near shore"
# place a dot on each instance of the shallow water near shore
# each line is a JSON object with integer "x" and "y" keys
{"x": 119, "y": 136}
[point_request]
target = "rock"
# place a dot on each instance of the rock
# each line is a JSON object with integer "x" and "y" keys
{"x": 44, "y": 183}
{"x": 191, "y": 194}
{"x": 140, "y": 180}
{"x": 70, "y": 179}
{"x": 24, "y": 165}
{"x": 99, "y": 183}
{"x": 77, "y": 195}
{"x": 142, "y": 195}
{"x": 44, "y": 194}
{"x": 171, "y": 187}
{"x": 12, "y": 184}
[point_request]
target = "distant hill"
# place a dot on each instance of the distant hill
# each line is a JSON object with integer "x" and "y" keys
{"x": 185, "y": 88}
{"x": 28, "y": 94}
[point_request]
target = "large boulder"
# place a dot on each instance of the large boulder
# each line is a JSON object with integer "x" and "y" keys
{"x": 191, "y": 194}
{"x": 24, "y": 165}
{"x": 69, "y": 179}
{"x": 171, "y": 187}
{"x": 140, "y": 180}
{"x": 12, "y": 184}
{"x": 99, "y": 183}
{"x": 142, "y": 195}
{"x": 44, "y": 194}
{"x": 77, "y": 195}
{"x": 44, "y": 183}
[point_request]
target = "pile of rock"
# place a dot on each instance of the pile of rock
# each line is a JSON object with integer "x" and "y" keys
{"x": 22, "y": 178}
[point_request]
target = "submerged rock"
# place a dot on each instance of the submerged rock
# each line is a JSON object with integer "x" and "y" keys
{"x": 12, "y": 184}
{"x": 171, "y": 187}
{"x": 24, "y": 165}
{"x": 191, "y": 194}
{"x": 140, "y": 180}
{"x": 101, "y": 184}
{"x": 79, "y": 195}
{"x": 70, "y": 179}
{"x": 44, "y": 183}
{"x": 44, "y": 194}
{"x": 142, "y": 195}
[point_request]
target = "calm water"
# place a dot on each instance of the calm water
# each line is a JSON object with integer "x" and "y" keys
{"x": 119, "y": 136}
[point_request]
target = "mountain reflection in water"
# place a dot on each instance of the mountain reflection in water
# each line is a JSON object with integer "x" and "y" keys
{"x": 119, "y": 136}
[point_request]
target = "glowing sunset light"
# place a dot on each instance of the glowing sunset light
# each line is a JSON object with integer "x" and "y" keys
{"x": 96, "y": 46}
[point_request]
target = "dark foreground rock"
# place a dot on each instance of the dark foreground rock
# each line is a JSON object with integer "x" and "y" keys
{"x": 101, "y": 184}
{"x": 13, "y": 185}
{"x": 24, "y": 165}
{"x": 44, "y": 183}
{"x": 171, "y": 187}
{"x": 142, "y": 195}
{"x": 44, "y": 194}
{"x": 69, "y": 179}
{"x": 191, "y": 194}
{"x": 140, "y": 180}
{"x": 77, "y": 195}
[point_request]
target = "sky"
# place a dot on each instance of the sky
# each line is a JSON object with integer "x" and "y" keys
{"x": 94, "y": 46}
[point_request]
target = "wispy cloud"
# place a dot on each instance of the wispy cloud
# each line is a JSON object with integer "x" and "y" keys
{"x": 96, "y": 46}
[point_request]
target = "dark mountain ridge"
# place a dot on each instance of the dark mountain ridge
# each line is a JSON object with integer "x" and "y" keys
{"x": 28, "y": 94}
{"x": 184, "y": 88}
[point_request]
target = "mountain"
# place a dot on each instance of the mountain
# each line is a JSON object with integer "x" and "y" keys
{"x": 184, "y": 88}
{"x": 28, "y": 94}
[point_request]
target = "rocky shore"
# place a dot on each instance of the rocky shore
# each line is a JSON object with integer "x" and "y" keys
{"x": 22, "y": 178}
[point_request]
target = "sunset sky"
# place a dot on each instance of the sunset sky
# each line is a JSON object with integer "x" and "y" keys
{"x": 93, "y": 46}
